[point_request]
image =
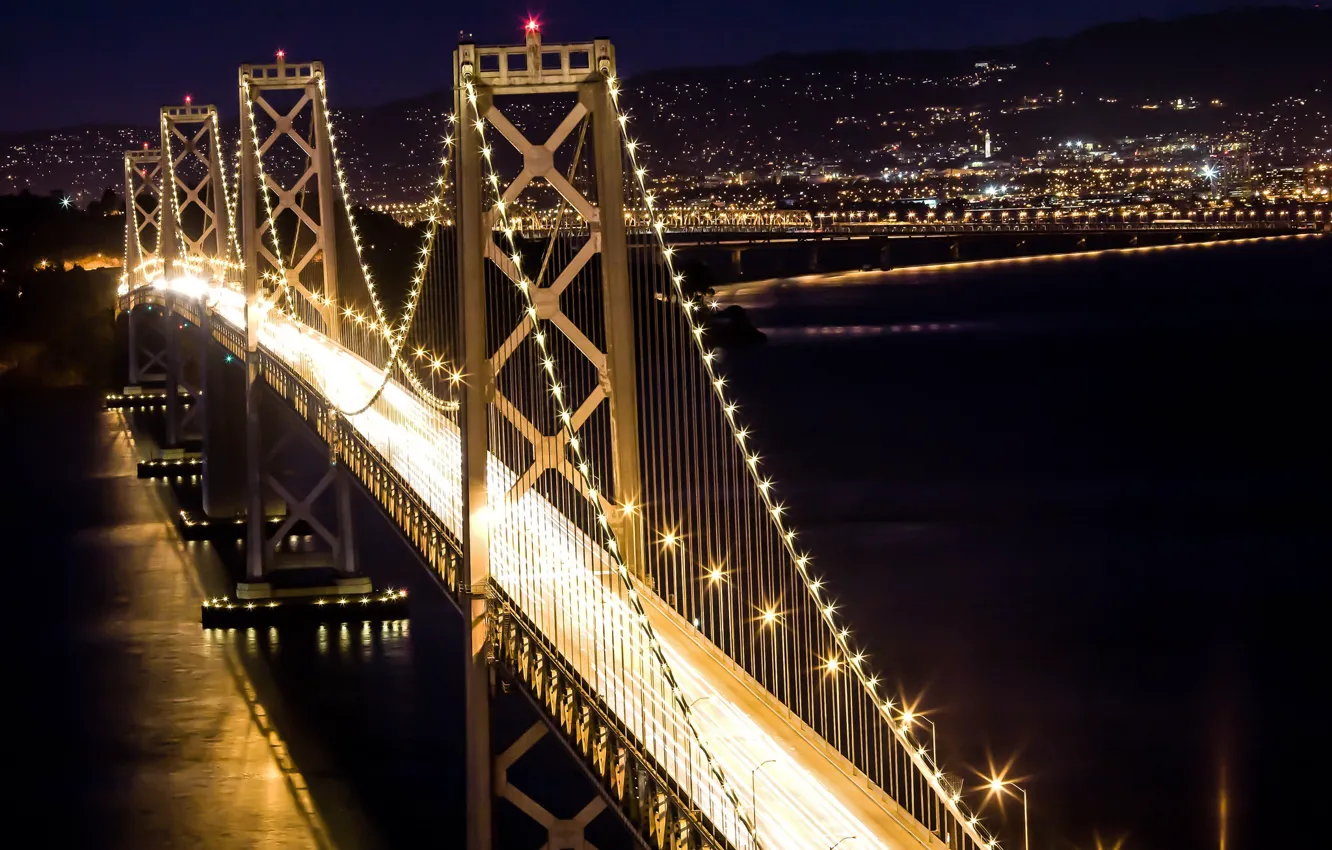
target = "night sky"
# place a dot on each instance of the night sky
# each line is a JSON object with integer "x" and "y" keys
{"x": 92, "y": 61}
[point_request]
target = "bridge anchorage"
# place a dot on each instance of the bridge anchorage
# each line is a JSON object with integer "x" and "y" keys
{"x": 545, "y": 422}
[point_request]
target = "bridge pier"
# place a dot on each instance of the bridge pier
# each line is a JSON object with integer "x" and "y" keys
{"x": 322, "y": 504}
{"x": 737, "y": 262}
{"x": 145, "y": 326}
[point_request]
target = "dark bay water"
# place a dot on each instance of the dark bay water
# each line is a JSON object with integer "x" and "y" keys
{"x": 1080, "y": 512}
{"x": 1083, "y": 519}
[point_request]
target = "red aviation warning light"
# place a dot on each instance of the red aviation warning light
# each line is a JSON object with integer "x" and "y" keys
{"x": 188, "y": 100}
{"x": 533, "y": 26}
{"x": 281, "y": 54}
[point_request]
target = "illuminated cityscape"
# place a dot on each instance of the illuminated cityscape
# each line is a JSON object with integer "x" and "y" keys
{"x": 854, "y": 140}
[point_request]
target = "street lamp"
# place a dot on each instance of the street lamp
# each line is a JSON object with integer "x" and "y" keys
{"x": 753, "y": 790}
{"x": 909, "y": 717}
{"x": 997, "y": 785}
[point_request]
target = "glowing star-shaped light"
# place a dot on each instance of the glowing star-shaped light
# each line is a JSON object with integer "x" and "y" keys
{"x": 533, "y": 25}
{"x": 188, "y": 100}
{"x": 281, "y": 54}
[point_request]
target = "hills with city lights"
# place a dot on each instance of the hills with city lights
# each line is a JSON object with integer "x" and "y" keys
{"x": 1248, "y": 93}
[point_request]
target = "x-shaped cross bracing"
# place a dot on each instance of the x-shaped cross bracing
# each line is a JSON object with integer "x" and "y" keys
{"x": 548, "y": 451}
{"x": 190, "y": 146}
{"x": 144, "y": 182}
{"x": 284, "y": 126}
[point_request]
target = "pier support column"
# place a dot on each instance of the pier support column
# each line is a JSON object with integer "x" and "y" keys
{"x": 737, "y": 261}
{"x": 181, "y": 424}
{"x": 173, "y": 369}
{"x": 224, "y": 429}
{"x": 473, "y": 234}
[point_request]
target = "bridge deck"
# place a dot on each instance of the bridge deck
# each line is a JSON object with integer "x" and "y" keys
{"x": 809, "y": 797}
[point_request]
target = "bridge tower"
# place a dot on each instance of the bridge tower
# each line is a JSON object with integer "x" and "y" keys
{"x": 290, "y": 95}
{"x": 142, "y": 182}
{"x": 143, "y": 210}
{"x": 481, "y": 76}
{"x": 195, "y": 129}
{"x": 258, "y": 86}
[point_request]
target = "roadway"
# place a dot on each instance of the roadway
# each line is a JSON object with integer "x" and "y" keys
{"x": 808, "y": 797}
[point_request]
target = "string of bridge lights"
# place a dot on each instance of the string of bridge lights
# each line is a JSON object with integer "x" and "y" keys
{"x": 396, "y": 339}
{"x": 548, "y": 365}
{"x": 230, "y": 199}
{"x": 765, "y": 485}
{"x": 398, "y": 335}
{"x": 131, "y": 223}
{"x": 281, "y": 276}
{"x": 169, "y": 180}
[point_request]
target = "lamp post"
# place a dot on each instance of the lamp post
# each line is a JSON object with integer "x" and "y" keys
{"x": 997, "y": 785}
{"x": 934, "y": 741}
{"x": 753, "y": 790}
{"x": 909, "y": 717}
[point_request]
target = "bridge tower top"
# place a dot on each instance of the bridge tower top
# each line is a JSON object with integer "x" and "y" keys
{"x": 534, "y": 67}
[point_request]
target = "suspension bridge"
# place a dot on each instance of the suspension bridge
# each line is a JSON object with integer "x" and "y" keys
{"x": 545, "y": 420}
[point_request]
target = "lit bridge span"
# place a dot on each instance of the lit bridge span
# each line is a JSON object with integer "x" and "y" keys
{"x": 545, "y": 421}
